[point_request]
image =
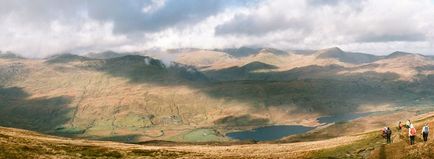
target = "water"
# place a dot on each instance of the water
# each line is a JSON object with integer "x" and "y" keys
{"x": 268, "y": 133}
{"x": 340, "y": 118}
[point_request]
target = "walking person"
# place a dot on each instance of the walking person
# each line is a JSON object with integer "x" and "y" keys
{"x": 389, "y": 135}
{"x": 384, "y": 132}
{"x": 407, "y": 125}
{"x": 399, "y": 126}
{"x": 425, "y": 131}
{"x": 412, "y": 134}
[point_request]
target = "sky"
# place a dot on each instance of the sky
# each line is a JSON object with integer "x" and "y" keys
{"x": 39, "y": 28}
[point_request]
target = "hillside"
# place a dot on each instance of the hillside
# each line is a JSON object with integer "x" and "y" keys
{"x": 16, "y": 143}
{"x": 106, "y": 55}
{"x": 135, "y": 98}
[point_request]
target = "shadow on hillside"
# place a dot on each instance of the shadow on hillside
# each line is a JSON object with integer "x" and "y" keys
{"x": 322, "y": 89}
{"x": 18, "y": 110}
{"x": 133, "y": 138}
{"x": 142, "y": 69}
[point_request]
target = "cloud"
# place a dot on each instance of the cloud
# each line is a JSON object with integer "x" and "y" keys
{"x": 134, "y": 15}
{"x": 44, "y": 27}
{"x": 325, "y": 23}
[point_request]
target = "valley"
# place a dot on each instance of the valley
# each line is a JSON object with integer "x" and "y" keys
{"x": 216, "y": 79}
{"x": 132, "y": 97}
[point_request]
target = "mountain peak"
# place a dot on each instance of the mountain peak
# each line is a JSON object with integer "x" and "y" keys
{"x": 272, "y": 51}
{"x": 9, "y": 55}
{"x": 332, "y": 50}
{"x": 106, "y": 55}
{"x": 399, "y": 54}
{"x": 65, "y": 58}
{"x": 256, "y": 65}
{"x": 347, "y": 57}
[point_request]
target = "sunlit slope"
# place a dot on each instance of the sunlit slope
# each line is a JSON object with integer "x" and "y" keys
{"x": 138, "y": 98}
{"x": 16, "y": 143}
{"x": 113, "y": 97}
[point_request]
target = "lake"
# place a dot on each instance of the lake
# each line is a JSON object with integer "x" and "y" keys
{"x": 341, "y": 117}
{"x": 274, "y": 132}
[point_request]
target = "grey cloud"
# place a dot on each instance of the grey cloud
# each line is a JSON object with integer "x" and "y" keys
{"x": 50, "y": 26}
{"x": 129, "y": 17}
{"x": 126, "y": 15}
{"x": 176, "y": 13}
{"x": 392, "y": 37}
{"x": 252, "y": 25}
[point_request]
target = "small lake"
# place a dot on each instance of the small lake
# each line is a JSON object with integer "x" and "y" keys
{"x": 341, "y": 117}
{"x": 275, "y": 132}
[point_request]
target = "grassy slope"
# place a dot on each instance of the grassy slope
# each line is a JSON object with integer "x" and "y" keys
{"x": 374, "y": 146}
{"x": 116, "y": 102}
{"x": 99, "y": 104}
{"x": 15, "y": 143}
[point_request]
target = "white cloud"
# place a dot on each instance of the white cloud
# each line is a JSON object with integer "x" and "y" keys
{"x": 57, "y": 36}
{"x": 369, "y": 23}
{"x": 44, "y": 28}
{"x": 155, "y": 5}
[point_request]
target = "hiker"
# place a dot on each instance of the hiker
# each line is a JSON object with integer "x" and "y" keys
{"x": 425, "y": 131}
{"x": 384, "y": 133}
{"x": 412, "y": 134}
{"x": 389, "y": 135}
{"x": 407, "y": 125}
{"x": 399, "y": 126}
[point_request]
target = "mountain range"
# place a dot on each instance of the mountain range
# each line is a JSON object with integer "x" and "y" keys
{"x": 137, "y": 97}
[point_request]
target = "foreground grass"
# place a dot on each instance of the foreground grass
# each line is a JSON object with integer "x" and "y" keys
{"x": 374, "y": 146}
{"x": 12, "y": 147}
{"x": 359, "y": 149}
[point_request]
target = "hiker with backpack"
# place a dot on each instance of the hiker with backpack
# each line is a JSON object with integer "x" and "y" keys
{"x": 407, "y": 125}
{"x": 384, "y": 132}
{"x": 399, "y": 126}
{"x": 389, "y": 135}
{"x": 412, "y": 134}
{"x": 425, "y": 131}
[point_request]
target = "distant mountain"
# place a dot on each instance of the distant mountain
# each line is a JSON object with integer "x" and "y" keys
{"x": 265, "y": 56}
{"x": 397, "y": 54}
{"x": 66, "y": 58}
{"x": 253, "y": 66}
{"x": 240, "y": 52}
{"x": 179, "y": 50}
{"x": 203, "y": 58}
{"x": 10, "y": 55}
{"x": 140, "y": 98}
{"x": 274, "y": 51}
{"x": 106, "y": 55}
{"x": 139, "y": 68}
{"x": 245, "y": 72}
{"x": 247, "y": 51}
{"x": 348, "y": 57}
{"x": 303, "y": 52}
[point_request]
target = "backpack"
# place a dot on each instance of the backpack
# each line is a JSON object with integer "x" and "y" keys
{"x": 412, "y": 131}
{"x": 425, "y": 129}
